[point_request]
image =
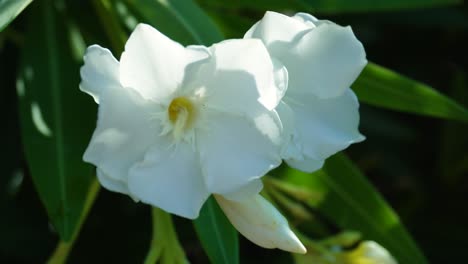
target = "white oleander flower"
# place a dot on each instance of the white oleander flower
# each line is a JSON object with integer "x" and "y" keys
{"x": 177, "y": 124}
{"x": 319, "y": 111}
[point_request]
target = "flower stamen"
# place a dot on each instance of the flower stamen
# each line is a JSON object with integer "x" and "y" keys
{"x": 181, "y": 113}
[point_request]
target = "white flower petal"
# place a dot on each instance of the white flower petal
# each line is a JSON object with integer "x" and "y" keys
{"x": 155, "y": 65}
{"x": 235, "y": 151}
{"x": 124, "y": 132}
{"x": 257, "y": 220}
{"x": 112, "y": 184}
{"x": 325, "y": 126}
{"x": 244, "y": 192}
{"x": 170, "y": 179}
{"x": 306, "y": 18}
{"x": 310, "y": 19}
{"x": 275, "y": 29}
{"x": 292, "y": 146}
{"x": 325, "y": 61}
{"x": 280, "y": 78}
{"x": 99, "y": 72}
{"x": 305, "y": 164}
{"x": 240, "y": 75}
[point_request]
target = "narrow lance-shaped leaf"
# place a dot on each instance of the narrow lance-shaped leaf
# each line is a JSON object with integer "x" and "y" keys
{"x": 10, "y": 9}
{"x": 217, "y": 235}
{"x": 382, "y": 87}
{"x": 340, "y": 6}
{"x": 327, "y": 6}
{"x": 352, "y": 203}
{"x": 56, "y": 118}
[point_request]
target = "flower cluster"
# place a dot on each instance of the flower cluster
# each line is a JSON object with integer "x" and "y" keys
{"x": 177, "y": 124}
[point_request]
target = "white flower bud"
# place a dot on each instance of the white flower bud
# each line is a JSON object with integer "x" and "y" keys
{"x": 260, "y": 222}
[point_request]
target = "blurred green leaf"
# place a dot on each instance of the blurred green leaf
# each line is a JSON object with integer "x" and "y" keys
{"x": 326, "y": 6}
{"x": 339, "y": 6}
{"x": 105, "y": 9}
{"x": 232, "y": 24}
{"x": 353, "y": 204}
{"x": 382, "y": 87}
{"x": 453, "y": 157}
{"x": 218, "y": 236}
{"x": 56, "y": 118}
{"x": 181, "y": 20}
{"x": 10, "y": 9}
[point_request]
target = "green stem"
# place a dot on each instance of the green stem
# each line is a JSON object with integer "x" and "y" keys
{"x": 63, "y": 248}
{"x": 299, "y": 212}
{"x": 165, "y": 246}
{"x": 60, "y": 253}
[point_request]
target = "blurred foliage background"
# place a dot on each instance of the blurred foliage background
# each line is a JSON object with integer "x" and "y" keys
{"x": 418, "y": 162}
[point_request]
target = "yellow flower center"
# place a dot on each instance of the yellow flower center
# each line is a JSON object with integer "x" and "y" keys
{"x": 181, "y": 112}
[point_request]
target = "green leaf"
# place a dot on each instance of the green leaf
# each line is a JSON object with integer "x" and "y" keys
{"x": 56, "y": 118}
{"x": 10, "y": 9}
{"x": 353, "y": 204}
{"x": 453, "y": 156}
{"x": 109, "y": 19}
{"x": 338, "y": 6}
{"x": 181, "y": 20}
{"x": 218, "y": 236}
{"x": 382, "y": 87}
{"x": 327, "y": 6}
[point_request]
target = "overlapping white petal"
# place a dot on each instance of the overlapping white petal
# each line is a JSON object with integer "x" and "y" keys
{"x": 332, "y": 124}
{"x": 112, "y": 184}
{"x": 121, "y": 137}
{"x": 248, "y": 152}
{"x": 321, "y": 58}
{"x": 277, "y": 30}
{"x": 240, "y": 71}
{"x": 244, "y": 192}
{"x": 324, "y": 61}
{"x": 260, "y": 222}
{"x": 171, "y": 179}
{"x": 319, "y": 112}
{"x": 155, "y": 65}
{"x": 100, "y": 72}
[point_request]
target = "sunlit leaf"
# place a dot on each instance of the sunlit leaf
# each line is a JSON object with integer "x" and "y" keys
{"x": 10, "y": 9}
{"x": 326, "y": 6}
{"x": 382, "y": 87}
{"x": 353, "y": 204}
{"x": 56, "y": 118}
{"x": 338, "y": 6}
{"x": 218, "y": 236}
